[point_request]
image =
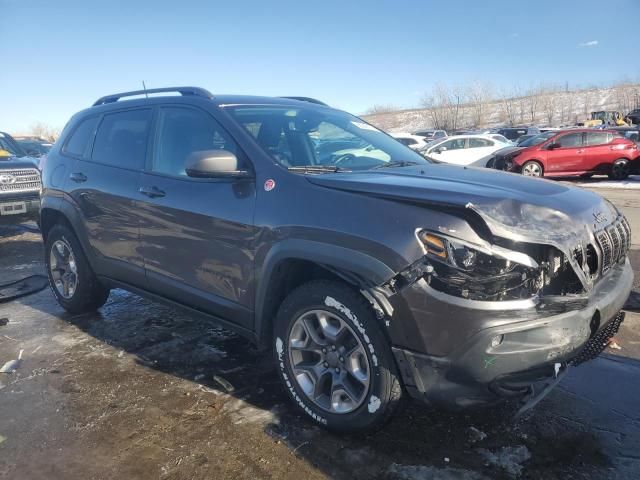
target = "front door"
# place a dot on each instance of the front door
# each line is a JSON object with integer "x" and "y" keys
{"x": 197, "y": 235}
{"x": 568, "y": 156}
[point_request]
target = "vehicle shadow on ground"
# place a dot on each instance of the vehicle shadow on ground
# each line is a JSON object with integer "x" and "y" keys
{"x": 420, "y": 441}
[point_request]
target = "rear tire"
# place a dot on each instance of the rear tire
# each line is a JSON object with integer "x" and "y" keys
{"x": 619, "y": 169}
{"x": 532, "y": 169}
{"x": 334, "y": 359}
{"x": 71, "y": 278}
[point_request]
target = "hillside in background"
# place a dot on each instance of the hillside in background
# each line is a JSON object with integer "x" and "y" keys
{"x": 451, "y": 110}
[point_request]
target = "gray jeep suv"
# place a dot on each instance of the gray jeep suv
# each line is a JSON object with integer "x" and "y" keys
{"x": 373, "y": 273}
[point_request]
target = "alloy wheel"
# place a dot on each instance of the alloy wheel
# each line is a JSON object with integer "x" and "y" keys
{"x": 532, "y": 170}
{"x": 620, "y": 169}
{"x": 64, "y": 272}
{"x": 329, "y": 361}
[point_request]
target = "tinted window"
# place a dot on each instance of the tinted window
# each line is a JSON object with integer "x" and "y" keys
{"x": 80, "y": 138}
{"x": 407, "y": 141}
{"x": 598, "y": 138}
{"x": 183, "y": 132}
{"x": 122, "y": 139}
{"x": 570, "y": 140}
{"x": 479, "y": 142}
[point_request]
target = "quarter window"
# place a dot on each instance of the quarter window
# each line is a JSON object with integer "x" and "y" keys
{"x": 122, "y": 137}
{"x": 81, "y": 137}
{"x": 183, "y": 132}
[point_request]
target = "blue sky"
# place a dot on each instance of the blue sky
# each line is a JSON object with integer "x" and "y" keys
{"x": 59, "y": 56}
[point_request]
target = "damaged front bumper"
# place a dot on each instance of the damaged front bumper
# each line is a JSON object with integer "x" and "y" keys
{"x": 461, "y": 352}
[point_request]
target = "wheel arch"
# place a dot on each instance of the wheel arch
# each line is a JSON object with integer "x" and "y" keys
{"x": 294, "y": 262}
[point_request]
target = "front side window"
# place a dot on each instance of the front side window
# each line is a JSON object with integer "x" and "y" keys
{"x": 570, "y": 140}
{"x": 309, "y": 136}
{"x": 182, "y": 132}
{"x": 81, "y": 137}
{"x": 455, "y": 144}
{"x": 121, "y": 140}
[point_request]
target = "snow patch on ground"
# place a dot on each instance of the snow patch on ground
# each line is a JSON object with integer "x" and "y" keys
{"x": 633, "y": 182}
{"x": 508, "y": 458}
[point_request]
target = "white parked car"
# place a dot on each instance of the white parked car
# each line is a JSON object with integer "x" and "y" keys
{"x": 464, "y": 149}
{"x": 416, "y": 142}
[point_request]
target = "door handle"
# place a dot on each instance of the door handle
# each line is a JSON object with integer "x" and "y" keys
{"x": 78, "y": 177}
{"x": 152, "y": 192}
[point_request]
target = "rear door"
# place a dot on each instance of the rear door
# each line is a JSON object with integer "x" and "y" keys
{"x": 599, "y": 155}
{"x": 104, "y": 185}
{"x": 197, "y": 234}
{"x": 478, "y": 148}
{"x": 569, "y": 156}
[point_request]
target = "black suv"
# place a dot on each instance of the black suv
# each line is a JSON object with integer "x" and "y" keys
{"x": 371, "y": 272}
{"x": 19, "y": 183}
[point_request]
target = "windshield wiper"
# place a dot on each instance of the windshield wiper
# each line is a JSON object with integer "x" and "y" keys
{"x": 315, "y": 169}
{"x": 396, "y": 163}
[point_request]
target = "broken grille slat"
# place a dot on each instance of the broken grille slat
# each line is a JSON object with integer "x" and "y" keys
{"x": 605, "y": 246}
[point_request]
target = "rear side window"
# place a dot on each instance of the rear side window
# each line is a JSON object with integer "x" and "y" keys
{"x": 479, "y": 142}
{"x": 79, "y": 140}
{"x": 570, "y": 140}
{"x": 598, "y": 138}
{"x": 183, "y": 132}
{"x": 122, "y": 137}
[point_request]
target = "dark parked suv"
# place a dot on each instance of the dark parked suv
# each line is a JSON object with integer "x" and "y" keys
{"x": 371, "y": 272}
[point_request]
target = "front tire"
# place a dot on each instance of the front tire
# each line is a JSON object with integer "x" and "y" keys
{"x": 532, "y": 169}
{"x": 619, "y": 169}
{"x": 334, "y": 359}
{"x": 71, "y": 278}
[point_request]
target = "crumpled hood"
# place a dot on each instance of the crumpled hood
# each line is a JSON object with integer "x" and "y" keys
{"x": 455, "y": 186}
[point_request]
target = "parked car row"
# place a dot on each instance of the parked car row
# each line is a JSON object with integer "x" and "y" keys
{"x": 573, "y": 152}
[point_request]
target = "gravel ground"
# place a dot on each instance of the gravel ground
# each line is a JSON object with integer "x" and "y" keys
{"x": 142, "y": 391}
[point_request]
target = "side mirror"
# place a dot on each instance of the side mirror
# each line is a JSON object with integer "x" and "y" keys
{"x": 214, "y": 164}
{"x": 553, "y": 146}
{"x": 440, "y": 149}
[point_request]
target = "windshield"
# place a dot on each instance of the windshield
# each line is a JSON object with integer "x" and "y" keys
{"x": 321, "y": 137}
{"x": 10, "y": 146}
{"x": 537, "y": 139}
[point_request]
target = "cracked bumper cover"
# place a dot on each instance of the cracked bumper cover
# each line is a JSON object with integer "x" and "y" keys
{"x": 444, "y": 349}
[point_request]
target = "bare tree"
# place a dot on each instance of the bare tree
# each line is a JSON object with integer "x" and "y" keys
{"x": 44, "y": 131}
{"x": 509, "y": 104}
{"x": 479, "y": 95}
{"x": 381, "y": 108}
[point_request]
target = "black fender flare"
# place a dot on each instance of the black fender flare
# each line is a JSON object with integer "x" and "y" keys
{"x": 355, "y": 267}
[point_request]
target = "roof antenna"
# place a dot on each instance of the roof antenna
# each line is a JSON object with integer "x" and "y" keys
{"x": 144, "y": 87}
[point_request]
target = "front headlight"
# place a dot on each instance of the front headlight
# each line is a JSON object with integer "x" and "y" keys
{"x": 481, "y": 272}
{"x": 462, "y": 255}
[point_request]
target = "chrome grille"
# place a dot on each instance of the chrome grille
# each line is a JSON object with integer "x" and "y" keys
{"x": 614, "y": 242}
{"x": 21, "y": 180}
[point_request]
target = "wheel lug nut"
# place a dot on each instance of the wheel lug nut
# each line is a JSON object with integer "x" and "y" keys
{"x": 337, "y": 370}
{"x": 333, "y": 347}
{"x": 326, "y": 364}
{"x": 324, "y": 350}
{"x": 342, "y": 359}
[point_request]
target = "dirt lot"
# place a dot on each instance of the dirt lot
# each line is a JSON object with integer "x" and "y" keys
{"x": 142, "y": 391}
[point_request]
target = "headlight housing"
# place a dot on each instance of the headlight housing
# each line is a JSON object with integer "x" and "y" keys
{"x": 479, "y": 272}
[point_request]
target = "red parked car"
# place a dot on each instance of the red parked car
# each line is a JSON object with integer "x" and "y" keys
{"x": 583, "y": 152}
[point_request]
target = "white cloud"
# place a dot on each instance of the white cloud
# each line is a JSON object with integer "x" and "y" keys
{"x": 590, "y": 43}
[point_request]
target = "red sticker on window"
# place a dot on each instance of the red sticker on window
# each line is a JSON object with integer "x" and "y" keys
{"x": 269, "y": 185}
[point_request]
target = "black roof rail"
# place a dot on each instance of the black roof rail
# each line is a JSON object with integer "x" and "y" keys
{"x": 307, "y": 99}
{"x": 184, "y": 91}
